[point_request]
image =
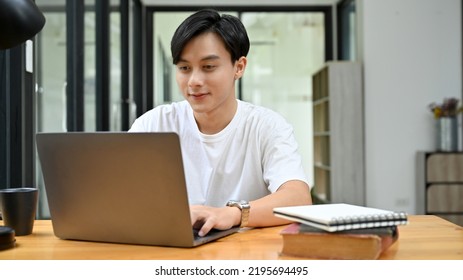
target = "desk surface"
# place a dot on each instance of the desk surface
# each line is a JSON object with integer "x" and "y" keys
{"x": 425, "y": 237}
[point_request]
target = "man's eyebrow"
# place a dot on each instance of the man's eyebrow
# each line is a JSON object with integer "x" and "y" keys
{"x": 209, "y": 57}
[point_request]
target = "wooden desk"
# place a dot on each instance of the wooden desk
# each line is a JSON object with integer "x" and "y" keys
{"x": 425, "y": 237}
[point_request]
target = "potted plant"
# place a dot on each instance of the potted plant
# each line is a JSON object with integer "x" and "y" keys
{"x": 447, "y": 109}
{"x": 445, "y": 114}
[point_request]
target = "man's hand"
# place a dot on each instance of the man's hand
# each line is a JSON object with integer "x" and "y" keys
{"x": 206, "y": 218}
{"x": 291, "y": 193}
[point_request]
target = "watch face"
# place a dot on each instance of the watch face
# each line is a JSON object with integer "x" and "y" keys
{"x": 232, "y": 203}
{"x": 238, "y": 203}
{"x": 244, "y": 204}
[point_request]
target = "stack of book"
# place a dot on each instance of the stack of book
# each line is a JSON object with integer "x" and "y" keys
{"x": 339, "y": 231}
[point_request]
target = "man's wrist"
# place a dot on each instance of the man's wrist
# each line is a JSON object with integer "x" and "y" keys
{"x": 244, "y": 207}
{"x": 236, "y": 215}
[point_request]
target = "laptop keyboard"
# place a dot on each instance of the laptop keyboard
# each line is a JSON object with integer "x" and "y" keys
{"x": 212, "y": 232}
{"x": 196, "y": 233}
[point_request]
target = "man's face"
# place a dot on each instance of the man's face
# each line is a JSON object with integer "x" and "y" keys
{"x": 206, "y": 76}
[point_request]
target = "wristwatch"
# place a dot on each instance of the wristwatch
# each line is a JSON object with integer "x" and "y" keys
{"x": 244, "y": 206}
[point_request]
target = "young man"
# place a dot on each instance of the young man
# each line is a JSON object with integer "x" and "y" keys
{"x": 240, "y": 160}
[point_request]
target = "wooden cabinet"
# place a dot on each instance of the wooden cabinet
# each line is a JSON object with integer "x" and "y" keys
{"x": 338, "y": 133}
{"x": 440, "y": 185}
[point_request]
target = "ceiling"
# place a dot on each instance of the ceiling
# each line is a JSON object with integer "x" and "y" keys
{"x": 239, "y": 2}
{"x": 60, "y": 3}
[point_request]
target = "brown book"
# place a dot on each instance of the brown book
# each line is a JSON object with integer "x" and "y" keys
{"x": 304, "y": 241}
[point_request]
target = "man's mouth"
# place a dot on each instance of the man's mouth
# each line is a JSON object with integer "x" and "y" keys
{"x": 197, "y": 95}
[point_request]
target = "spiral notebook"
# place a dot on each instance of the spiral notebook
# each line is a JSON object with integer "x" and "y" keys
{"x": 341, "y": 216}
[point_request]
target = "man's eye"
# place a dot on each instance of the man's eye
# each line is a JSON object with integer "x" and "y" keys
{"x": 209, "y": 67}
{"x": 183, "y": 68}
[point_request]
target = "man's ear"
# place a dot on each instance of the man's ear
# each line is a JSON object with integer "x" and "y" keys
{"x": 240, "y": 66}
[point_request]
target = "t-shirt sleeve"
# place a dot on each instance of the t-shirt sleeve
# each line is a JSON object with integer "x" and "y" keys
{"x": 281, "y": 159}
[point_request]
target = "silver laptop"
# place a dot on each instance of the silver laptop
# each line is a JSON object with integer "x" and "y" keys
{"x": 118, "y": 187}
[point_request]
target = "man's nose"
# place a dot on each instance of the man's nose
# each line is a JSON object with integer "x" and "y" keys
{"x": 196, "y": 78}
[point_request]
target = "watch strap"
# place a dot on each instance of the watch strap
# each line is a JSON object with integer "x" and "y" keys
{"x": 245, "y": 208}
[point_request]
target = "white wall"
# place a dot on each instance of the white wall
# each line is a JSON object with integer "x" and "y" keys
{"x": 412, "y": 55}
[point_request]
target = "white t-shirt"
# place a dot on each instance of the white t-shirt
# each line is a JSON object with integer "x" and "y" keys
{"x": 249, "y": 159}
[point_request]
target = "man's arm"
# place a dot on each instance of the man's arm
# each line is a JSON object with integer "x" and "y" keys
{"x": 291, "y": 193}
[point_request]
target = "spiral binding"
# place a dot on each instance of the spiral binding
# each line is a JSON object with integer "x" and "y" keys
{"x": 368, "y": 221}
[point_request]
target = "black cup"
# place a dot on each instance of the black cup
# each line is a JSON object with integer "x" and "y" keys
{"x": 18, "y": 206}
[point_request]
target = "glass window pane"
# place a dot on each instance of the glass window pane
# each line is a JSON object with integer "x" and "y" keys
{"x": 347, "y": 18}
{"x": 115, "y": 72}
{"x": 52, "y": 53}
{"x": 89, "y": 72}
{"x": 286, "y": 48}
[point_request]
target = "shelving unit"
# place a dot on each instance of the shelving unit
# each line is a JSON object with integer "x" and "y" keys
{"x": 338, "y": 133}
{"x": 440, "y": 185}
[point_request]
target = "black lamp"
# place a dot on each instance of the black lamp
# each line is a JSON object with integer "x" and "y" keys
{"x": 20, "y": 20}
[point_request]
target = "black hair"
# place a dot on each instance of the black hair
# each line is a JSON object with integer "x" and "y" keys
{"x": 228, "y": 27}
